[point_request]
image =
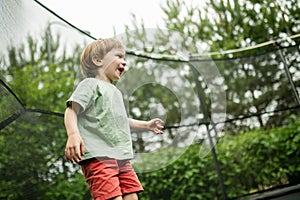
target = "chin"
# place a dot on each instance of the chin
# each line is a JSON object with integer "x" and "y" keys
{"x": 115, "y": 79}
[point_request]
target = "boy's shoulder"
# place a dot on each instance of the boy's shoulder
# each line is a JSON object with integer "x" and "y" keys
{"x": 88, "y": 81}
{"x": 93, "y": 83}
{"x": 86, "y": 84}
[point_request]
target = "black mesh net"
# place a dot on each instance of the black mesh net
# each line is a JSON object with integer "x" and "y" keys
{"x": 202, "y": 100}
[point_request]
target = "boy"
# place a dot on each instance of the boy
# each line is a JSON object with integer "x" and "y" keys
{"x": 98, "y": 127}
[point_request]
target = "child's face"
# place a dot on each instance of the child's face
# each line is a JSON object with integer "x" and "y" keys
{"x": 113, "y": 65}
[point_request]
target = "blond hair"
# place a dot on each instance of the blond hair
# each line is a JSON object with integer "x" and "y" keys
{"x": 98, "y": 48}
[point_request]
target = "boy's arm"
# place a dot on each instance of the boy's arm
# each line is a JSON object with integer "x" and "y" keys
{"x": 74, "y": 147}
{"x": 153, "y": 125}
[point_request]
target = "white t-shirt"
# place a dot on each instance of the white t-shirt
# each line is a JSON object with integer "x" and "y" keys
{"x": 102, "y": 122}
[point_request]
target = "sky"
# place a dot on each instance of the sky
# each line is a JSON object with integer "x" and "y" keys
{"x": 101, "y": 17}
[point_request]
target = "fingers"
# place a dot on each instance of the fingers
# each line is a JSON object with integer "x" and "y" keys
{"x": 159, "y": 126}
{"x": 82, "y": 149}
{"x": 159, "y": 123}
{"x": 157, "y": 131}
{"x": 74, "y": 154}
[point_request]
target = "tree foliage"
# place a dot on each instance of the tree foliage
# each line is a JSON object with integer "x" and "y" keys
{"x": 253, "y": 161}
{"x": 32, "y": 147}
{"x": 255, "y": 81}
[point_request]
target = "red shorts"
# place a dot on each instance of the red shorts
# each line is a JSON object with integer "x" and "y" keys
{"x": 108, "y": 178}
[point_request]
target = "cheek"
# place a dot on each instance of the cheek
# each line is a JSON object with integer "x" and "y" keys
{"x": 108, "y": 63}
{"x": 114, "y": 63}
{"x": 111, "y": 61}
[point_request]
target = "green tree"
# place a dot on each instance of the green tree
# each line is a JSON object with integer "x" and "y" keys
{"x": 32, "y": 147}
{"x": 250, "y": 162}
{"x": 255, "y": 81}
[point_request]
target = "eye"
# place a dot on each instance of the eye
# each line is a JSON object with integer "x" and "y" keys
{"x": 121, "y": 56}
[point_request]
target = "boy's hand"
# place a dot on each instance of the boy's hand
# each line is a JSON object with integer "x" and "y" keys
{"x": 74, "y": 148}
{"x": 155, "y": 125}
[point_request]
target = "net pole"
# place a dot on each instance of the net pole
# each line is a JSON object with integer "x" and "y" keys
{"x": 214, "y": 154}
{"x": 287, "y": 71}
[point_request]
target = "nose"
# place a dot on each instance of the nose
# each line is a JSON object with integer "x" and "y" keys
{"x": 123, "y": 63}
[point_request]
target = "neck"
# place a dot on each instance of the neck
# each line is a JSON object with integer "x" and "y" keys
{"x": 103, "y": 78}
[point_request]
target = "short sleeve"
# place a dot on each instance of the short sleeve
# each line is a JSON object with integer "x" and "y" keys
{"x": 83, "y": 93}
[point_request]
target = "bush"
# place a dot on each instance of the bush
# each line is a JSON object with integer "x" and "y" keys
{"x": 249, "y": 162}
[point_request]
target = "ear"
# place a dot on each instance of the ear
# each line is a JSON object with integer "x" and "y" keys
{"x": 97, "y": 61}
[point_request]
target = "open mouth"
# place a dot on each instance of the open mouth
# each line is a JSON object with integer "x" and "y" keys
{"x": 121, "y": 69}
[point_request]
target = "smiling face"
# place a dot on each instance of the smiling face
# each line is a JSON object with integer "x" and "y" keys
{"x": 103, "y": 59}
{"x": 113, "y": 65}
